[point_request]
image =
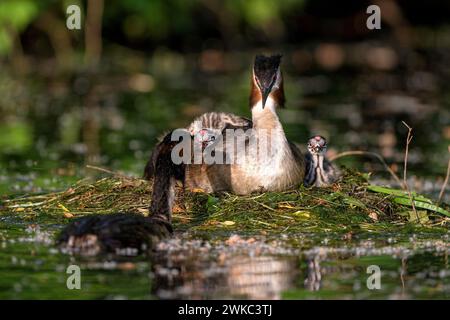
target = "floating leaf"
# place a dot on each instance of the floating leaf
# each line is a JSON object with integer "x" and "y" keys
{"x": 285, "y": 206}
{"x": 63, "y": 207}
{"x": 211, "y": 202}
{"x": 373, "y": 215}
{"x": 418, "y": 216}
{"x": 397, "y": 192}
{"x": 402, "y": 197}
{"x": 354, "y": 202}
{"x": 68, "y": 215}
{"x": 228, "y": 223}
{"x": 302, "y": 213}
{"x": 421, "y": 205}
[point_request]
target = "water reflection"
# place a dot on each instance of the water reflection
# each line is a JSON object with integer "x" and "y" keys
{"x": 415, "y": 267}
{"x": 260, "y": 277}
{"x": 194, "y": 277}
{"x": 314, "y": 276}
{"x": 213, "y": 272}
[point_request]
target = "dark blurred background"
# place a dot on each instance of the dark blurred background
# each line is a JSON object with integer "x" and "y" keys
{"x": 103, "y": 94}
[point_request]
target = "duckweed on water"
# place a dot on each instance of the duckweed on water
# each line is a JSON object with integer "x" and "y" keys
{"x": 349, "y": 206}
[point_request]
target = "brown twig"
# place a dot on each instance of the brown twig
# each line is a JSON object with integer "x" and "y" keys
{"x": 444, "y": 185}
{"x": 107, "y": 171}
{"x": 405, "y": 169}
{"x": 372, "y": 154}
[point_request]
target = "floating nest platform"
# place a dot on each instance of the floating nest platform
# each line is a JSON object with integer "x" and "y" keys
{"x": 350, "y": 205}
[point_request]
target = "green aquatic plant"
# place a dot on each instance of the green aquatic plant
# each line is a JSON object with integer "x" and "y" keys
{"x": 402, "y": 197}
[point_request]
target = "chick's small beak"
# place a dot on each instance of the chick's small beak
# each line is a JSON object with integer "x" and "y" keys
{"x": 318, "y": 147}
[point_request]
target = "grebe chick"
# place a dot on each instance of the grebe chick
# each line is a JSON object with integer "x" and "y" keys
{"x": 319, "y": 172}
{"x": 206, "y": 136}
{"x": 215, "y": 122}
{"x": 218, "y": 121}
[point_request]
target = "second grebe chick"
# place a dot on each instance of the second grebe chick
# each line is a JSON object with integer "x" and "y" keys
{"x": 320, "y": 171}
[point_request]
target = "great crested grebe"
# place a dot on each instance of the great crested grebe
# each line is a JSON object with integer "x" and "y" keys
{"x": 319, "y": 171}
{"x": 280, "y": 168}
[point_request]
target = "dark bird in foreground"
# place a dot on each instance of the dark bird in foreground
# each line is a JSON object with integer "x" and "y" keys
{"x": 120, "y": 233}
{"x": 128, "y": 233}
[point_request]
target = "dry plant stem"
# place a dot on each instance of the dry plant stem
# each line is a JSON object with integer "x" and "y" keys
{"x": 441, "y": 194}
{"x": 405, "y": 169}
{"x": 107, "y": 171}
{"x": 372, "y": 154}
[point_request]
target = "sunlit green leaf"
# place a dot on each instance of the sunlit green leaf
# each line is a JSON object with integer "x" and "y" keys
{"x": 15, "y": 136}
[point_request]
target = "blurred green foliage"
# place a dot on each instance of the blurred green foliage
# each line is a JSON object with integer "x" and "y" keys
{"x": 15, "y": 136}
{"x": 259, "y": 12}
{"x": 15, "y": 15}
{"x": 149, "y": 20}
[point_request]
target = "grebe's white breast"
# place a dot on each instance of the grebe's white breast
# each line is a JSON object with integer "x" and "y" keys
{"x": 269, "y": 162}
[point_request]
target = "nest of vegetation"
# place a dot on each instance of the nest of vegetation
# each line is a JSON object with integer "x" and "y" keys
{"x": 349, "y": 205}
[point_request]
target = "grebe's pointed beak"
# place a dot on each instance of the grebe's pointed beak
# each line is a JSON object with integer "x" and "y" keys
{"x": 265, "y": 92}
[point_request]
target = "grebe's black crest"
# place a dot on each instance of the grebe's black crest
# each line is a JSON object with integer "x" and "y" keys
{"x": 266, "y": 72}
{"x": 266, "y": 66}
